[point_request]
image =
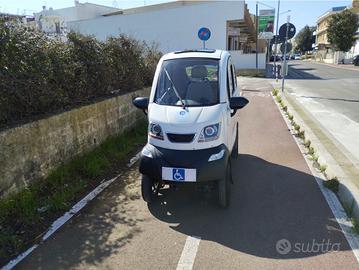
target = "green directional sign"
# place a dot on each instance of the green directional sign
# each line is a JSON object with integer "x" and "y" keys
{"x": 266, "y": 20}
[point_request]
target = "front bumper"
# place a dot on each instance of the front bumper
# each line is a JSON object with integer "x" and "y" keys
{"x": 191, "y": 159}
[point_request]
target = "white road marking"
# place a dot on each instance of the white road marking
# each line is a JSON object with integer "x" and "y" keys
{"x": 188, "y": 253}
{"x": 57, "y": 224}
{"x": 332, "y": 200}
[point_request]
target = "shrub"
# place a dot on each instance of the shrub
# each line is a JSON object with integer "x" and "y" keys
{"x": 275, "y": 92}
{"x": 40, "y": 75}
{"x": 332, "y": 184}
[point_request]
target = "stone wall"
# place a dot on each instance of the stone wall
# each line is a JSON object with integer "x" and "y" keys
{"x": 31, "y": 151}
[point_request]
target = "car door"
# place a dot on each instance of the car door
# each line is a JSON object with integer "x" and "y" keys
{"x": 231, "y": 91}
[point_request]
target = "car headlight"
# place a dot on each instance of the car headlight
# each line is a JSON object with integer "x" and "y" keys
{"x": 210, "y": 133}
{"x": 155, "y": 131}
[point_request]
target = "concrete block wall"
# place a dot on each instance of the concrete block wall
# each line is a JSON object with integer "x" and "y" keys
{"x": 29, "y": 152}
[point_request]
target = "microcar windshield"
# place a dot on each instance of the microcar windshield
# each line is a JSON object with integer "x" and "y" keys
{"x": 188, "y": 82}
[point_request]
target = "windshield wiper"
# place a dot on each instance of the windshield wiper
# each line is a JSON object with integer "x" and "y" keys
{"x": 174, "y": 88}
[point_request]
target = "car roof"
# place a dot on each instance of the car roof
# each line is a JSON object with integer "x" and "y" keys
{"x": 195, "y": 53}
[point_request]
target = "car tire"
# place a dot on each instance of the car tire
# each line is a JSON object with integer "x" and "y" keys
{"x": 224, "y": 188}
{"x": 234, "y": 153}
{"x": 149, "y": 189}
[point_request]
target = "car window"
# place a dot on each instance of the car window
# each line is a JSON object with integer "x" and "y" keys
{"x": 234, "y": 79}
{"x": 229, "y": 80}
{"x": 193, "y": 81}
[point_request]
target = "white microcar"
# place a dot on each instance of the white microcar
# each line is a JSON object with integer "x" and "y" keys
{"x": 193, "y": 128}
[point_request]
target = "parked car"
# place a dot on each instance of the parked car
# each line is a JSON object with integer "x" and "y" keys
{"x": 282, "y": 57}
{"x": 356, "y": 60}
{"x": 193, "y": 128}
{"x": 297, "y": 57}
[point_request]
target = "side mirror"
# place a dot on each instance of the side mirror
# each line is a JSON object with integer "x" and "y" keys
{"x": 141, "y": 103}
{"x": 237, "y": 103}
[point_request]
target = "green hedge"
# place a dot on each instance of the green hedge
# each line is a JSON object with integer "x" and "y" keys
{"x": 41, "y": 75}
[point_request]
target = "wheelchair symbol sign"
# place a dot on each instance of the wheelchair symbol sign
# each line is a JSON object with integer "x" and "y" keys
{"x": 178, "y": 174}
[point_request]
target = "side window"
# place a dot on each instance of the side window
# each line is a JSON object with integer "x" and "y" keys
{"x": 234, "y": 79}
{"x": 229, "y": 80}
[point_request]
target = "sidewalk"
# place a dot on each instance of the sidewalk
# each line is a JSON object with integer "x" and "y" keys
{"x": 277, "y": 212}
{"x": 342, "y": 66}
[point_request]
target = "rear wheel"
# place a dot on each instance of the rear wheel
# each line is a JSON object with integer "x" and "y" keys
{"x": 149, "y": 188}
{"x": 224, "y": 188}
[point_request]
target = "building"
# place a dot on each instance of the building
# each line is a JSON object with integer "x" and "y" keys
{"x": 355, "y": 9}
{"x": 174, "y": 26}
{"x": 325, "y": 50}
{"x": 322, "y": 26}
{"x": 54, "y": 21}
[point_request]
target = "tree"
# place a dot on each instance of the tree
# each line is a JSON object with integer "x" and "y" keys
{"x": 304, "y": 39}
{"x": 341, "y": 30}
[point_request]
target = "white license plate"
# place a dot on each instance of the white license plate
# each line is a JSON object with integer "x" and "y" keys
{"x": 178, "y": 174}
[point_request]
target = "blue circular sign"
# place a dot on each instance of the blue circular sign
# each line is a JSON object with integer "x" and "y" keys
{"x": 204, "y": 34}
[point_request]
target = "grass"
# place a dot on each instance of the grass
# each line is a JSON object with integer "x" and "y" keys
{"x": 333, "y": 185}
{"x": 27, "y": 214}
{"x": 301, "y": 134}
{"x": 349, "y": 210}
{"x": 278, "y": 99}
{"x": 275, "y": 92}
{"x": 322, "y": 168}
{"x": 355, "y": 223}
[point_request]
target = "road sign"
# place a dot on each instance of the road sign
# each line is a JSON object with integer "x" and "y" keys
{"x": 266, "y": 20}
{"x": 204, "y": 34}
{"x": 289, "y": 47}
{"x": 283, "y": 30}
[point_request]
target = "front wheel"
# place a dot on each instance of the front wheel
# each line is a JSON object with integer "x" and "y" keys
{"x": 149, "y": 188}
{"x": 224, "y": 188}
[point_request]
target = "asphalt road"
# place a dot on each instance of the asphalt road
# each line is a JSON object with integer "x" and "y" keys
{"x": 331, "y": 96}
{"x": 274, "y": 197}
{"x": 335, "y": 88}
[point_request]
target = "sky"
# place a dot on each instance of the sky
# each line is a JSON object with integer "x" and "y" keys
{"x": 302, "y": 13}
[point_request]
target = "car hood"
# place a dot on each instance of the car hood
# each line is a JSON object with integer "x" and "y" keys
{"x": 176, "y": 115}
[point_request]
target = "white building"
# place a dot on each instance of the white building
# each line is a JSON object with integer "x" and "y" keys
{"x": 174, "y": 26}
{"x": 54, "y": 21}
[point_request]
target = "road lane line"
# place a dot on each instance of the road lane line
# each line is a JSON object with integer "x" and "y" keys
{"x": 188, "y": 253}
{"x": 331, "y": 199}
{"x": 57, "y": 224}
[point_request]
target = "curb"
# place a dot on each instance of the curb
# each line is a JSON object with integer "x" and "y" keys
{"x": 348, "y": 193}
{"x": 58, "y": 223}
{"x": 331, "y": 198}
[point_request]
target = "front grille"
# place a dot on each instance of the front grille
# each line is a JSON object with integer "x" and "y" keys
{"x": 180, "y": 138}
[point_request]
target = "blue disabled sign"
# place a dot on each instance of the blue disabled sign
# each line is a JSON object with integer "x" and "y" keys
{"x": 204, "y": 34}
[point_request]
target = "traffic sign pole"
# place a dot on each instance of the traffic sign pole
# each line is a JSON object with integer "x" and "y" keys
{"x": 275, "y": 44}
{"x": 285, "y": 67}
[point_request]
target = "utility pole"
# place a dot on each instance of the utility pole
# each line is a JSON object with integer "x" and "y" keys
{"x": 257, "y": 35}
{"x": 275, "y": 44}
{"x": 284, "y": 68}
